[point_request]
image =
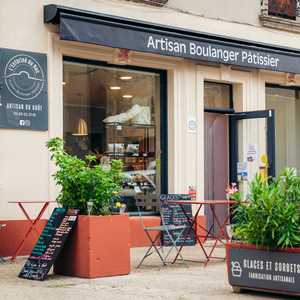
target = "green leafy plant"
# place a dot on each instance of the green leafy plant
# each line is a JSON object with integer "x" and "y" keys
{"x": 271, "y": 218}
{"x": 82, "y": 181}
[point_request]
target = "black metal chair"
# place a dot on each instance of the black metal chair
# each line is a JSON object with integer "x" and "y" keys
{"x": 152, "y": 201}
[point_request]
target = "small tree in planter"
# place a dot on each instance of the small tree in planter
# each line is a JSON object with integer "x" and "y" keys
{"x": 266, "y": 255}
{"x": 100, "y": 243}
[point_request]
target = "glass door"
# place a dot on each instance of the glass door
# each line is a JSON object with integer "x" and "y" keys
{"x": 252, "y": 137}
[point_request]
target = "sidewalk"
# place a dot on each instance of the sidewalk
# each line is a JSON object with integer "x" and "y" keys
{"x": 176, "y": 282}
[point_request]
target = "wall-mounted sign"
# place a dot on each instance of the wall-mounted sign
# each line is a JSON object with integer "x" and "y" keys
{"x": 23, "y": 90}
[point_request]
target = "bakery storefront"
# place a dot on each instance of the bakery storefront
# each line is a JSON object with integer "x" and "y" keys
{"x": 182, "y": 109}
{"x": 122, "y": 111}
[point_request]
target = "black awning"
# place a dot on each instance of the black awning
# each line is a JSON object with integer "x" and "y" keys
{"x": 117, "y": 32}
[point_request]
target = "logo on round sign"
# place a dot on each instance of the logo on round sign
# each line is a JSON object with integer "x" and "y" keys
{"x": 24, "y": 77}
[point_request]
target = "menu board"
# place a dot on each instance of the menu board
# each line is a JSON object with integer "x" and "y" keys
{"x": 174, "y": 215}
{"x": 49, "y": 244}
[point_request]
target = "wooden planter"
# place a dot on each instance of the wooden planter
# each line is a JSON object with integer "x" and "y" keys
{"x": 99, "y": 247}
{"x": 251, "y": 267}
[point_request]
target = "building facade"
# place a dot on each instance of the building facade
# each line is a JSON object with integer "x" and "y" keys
{"x": 186, "y": 94}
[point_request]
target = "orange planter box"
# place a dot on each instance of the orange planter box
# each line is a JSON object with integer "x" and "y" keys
{"x": 98, "y": 247}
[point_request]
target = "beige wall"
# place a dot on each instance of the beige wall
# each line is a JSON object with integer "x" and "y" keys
{"x": 241, "y": 11}
{"x": 24, "y": 162}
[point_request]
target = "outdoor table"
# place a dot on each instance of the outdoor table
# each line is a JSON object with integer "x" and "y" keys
{"x": 208, "y": 232}
{"x": 33, "y": 222}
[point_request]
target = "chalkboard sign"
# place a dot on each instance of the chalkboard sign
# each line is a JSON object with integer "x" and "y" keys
{"x": 49, "y": 244}
{"x": 174, "y": 215}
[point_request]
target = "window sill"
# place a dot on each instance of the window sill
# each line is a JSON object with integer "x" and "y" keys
{"x": 280, "y": 23}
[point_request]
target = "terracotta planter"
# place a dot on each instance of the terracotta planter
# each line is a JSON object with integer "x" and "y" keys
{"x": 98, "y": 247}
{"x": 257, "y": 268}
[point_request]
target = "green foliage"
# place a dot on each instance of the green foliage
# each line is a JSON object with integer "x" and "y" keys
{"x": 84, "y": 180}
{"x": 272, "y": 216}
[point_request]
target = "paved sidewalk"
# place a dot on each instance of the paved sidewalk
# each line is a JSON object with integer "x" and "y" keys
{"x": 175, "y": 282}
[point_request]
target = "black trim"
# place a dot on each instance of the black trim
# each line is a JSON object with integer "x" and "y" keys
{"x": 271, "y": 143}
{"x": 285, "y": 87}
{"x": 233, "y": 150}
{"x": 52, "y": 14}
{"x": 163, "y": 109}
{"x": 219, "y": 110}
{"x": 164, "y": 131}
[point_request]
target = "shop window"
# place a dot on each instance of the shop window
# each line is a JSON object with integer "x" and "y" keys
{"x": 282, "y": 8}
{"x": 286, "y": 103}
{"x": 281, "y": 14}
{"x": 114, "y": 113}
{"x": 217, "y": 96}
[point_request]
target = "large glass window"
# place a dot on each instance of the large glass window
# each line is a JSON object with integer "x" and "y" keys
{"x": 114, "y": 113}
{"x": 286, "y": 103}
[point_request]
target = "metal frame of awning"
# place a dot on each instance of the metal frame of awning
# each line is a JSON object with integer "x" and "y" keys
{"x": 72, "y": 20}
{"x": 52, "y": 14}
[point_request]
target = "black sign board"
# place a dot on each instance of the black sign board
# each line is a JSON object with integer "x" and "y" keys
{"x": 49, "y": 244}
{"x": 174, "y": 215}
{"x": 267, "y": 270}
{"x": 23, "y": 90}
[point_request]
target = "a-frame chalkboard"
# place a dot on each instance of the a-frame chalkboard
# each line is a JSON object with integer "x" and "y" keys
{"x": 174, "y": 215}
{"x": 49, "y": 244}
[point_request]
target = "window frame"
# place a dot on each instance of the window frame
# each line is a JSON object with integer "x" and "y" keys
{"x": 221, "y": 110}
{"x": 163, "y": 113}
{"x": 279, "y": 22}
{"x": 276, "y": 85}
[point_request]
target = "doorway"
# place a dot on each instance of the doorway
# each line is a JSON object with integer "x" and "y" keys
{"x": 228, "y": 139}
{"x": 218, "y": 105}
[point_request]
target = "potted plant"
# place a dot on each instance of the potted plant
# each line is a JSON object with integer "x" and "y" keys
{"x": 99, "y": 245}
{"x": 265, "y": 252}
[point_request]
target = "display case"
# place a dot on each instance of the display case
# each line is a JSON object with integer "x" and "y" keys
{"x": 134, "y": 144}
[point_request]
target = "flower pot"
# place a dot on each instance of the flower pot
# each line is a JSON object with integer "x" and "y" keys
{"x": 257, "y": 268}
{"x": 98, "y": 247}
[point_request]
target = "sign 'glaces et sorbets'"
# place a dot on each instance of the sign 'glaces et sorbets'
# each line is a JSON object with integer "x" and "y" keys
{"x": 268, "y": 270}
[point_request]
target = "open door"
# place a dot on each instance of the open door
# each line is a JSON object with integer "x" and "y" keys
{"x": 252, "y": 134}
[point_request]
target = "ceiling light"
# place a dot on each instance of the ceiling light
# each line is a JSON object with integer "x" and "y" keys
{"x": 127, "y": 96}
{"x": 126, "y": 77}
{"x": 115, "y": 87}
{"x": 64, "y": 83}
